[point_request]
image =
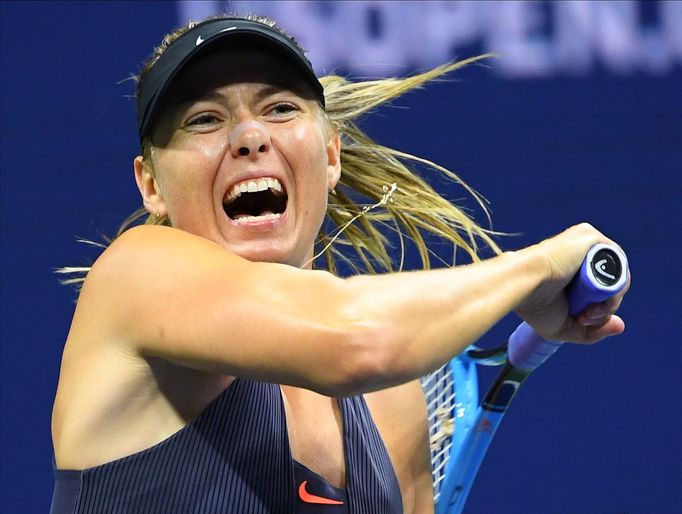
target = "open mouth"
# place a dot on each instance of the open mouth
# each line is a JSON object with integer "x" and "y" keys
{"x": 262, "y": 199}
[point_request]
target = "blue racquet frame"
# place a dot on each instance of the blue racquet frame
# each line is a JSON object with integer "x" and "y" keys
{"x": 603, "y": 274}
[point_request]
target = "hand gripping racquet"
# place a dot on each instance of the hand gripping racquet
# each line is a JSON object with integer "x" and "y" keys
{"x": 460, "y": 429}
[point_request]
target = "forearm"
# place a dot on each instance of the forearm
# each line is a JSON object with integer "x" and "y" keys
{"x": 423, "y": 318}
{"x": 285, "y": 325}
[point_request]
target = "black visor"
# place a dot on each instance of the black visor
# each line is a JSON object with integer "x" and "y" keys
{"x": 197, "y": 41}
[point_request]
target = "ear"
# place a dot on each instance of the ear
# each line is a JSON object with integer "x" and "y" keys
{"x": 149, "y": 188}
{"x": 333, "y": 160}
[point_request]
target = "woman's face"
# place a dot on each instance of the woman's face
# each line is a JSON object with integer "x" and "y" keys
{"x": 242, "y": 156}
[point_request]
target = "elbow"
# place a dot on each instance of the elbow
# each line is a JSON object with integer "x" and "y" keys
{"x": 365, "y": 360}
{"x": 366, "y": 350}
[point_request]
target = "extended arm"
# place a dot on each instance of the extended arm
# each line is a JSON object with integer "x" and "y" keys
{"x": 183, "y": 298}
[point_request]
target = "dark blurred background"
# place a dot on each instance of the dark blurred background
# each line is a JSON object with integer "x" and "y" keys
{"x": 579, "y": 118}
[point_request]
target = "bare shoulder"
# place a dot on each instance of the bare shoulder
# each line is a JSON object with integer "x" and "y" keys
{"x": 116, "y": 282}
{"x": 111, "y": 400}
{"x": 148, "y": 247}
{"x": 148, "y": 274}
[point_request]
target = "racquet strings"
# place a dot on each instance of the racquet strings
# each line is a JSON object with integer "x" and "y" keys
{"x": 439, "y": 390}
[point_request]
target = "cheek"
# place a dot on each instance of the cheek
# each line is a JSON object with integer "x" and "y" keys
{"x": 310, "y": 167}
{"x": 204, "y": 152}
{"x": 211, "y": 151}
{"x": 309, "y": 153}
{"x": 185, "y": 169}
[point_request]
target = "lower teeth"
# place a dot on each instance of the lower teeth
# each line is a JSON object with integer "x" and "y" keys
{"x": 243, "y": 218}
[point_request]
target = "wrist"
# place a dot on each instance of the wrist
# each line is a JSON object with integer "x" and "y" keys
{"x": 533, "y": 263}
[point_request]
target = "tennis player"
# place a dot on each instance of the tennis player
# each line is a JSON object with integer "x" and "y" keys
{"x": 208, "y": 367}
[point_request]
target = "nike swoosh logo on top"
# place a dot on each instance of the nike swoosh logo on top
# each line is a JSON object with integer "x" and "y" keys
{"x": 311, "y": 498}
{"x": 199, "y": 41}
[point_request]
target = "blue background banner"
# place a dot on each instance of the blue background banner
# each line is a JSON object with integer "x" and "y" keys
{"x": 578, "y": 119}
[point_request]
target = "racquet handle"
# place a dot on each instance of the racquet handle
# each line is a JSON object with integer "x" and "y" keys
{"x": 602, "y": 275}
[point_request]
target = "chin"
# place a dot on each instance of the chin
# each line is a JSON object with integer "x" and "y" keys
{"x": 265, "y": 252}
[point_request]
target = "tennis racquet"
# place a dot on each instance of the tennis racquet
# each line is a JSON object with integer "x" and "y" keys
{"x": 460, "y": 429}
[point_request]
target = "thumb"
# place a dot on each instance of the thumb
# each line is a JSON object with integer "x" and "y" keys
{"x": 612, "y": 326}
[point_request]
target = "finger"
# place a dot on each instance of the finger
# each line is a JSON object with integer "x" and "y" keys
{"x": 613, "y": 326}
{"x": 596, "y": 314}
{"x": 574, "y": 332}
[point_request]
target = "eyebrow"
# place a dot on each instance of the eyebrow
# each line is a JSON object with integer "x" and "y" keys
{"x": 216, "y": 96}
{"x": 269, "y": 90}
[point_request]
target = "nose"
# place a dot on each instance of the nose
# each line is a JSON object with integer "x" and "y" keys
{"x": 249, "y": 139}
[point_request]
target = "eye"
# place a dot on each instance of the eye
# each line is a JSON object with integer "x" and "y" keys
{"x": 282, "y": 109}
{"x": 205, "y": 118}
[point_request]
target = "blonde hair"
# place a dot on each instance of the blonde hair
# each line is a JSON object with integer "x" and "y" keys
{"x": 398, "y": 199}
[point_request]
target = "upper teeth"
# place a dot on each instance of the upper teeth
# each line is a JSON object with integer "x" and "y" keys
{"x": 253, "y": 186}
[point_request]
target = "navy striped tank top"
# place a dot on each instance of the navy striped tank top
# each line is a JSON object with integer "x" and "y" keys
{"x": 235, "y": 458}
